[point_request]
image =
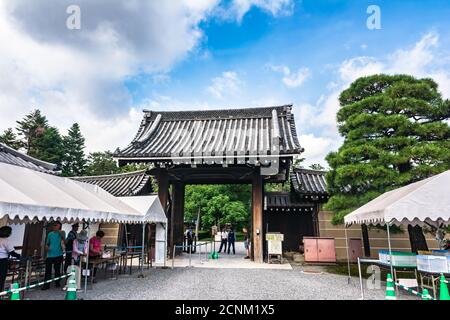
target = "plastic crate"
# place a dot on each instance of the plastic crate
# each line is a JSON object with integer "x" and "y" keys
{"x": 433, "y": 264}
{"x": 399, "y": 258}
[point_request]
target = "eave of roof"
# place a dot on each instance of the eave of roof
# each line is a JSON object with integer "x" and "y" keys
{"x": 308, "y": 181}
{"x": 11, "y": 156}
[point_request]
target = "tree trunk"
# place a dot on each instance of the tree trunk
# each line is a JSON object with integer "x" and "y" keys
{"x": 417, "y": 238}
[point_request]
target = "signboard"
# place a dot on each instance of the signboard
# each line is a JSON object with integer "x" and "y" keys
{"x": 274, "y": 237}
{"x": 274, "y": 243}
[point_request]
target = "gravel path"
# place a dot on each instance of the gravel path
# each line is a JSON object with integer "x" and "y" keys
{"x": 214, "y": 284}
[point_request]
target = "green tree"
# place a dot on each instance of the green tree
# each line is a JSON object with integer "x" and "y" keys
{"x": 9, "y": 138}
{"x": 317, "y": 166}
{"x": 49, "y": 146}
{"x": 394, "y": 133}
{"x": 30, "y": 129}
{"x": 74, "y": 160}
{"x": 101, "y": 163}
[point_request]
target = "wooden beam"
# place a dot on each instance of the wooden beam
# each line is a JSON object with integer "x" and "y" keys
{"x": 163, "y": 188}
{"x": 177, "y": 215}
{"x": 257, "y": 217}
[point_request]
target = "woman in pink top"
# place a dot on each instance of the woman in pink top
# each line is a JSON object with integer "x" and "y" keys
{"x": 95, "y": 248}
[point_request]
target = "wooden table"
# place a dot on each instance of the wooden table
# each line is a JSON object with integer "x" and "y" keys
{"x": 95, "y": 262}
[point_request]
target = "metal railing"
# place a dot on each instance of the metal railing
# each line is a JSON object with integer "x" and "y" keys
{"x": 191, "y": 252}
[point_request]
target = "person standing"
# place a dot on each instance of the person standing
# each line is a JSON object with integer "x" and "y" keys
{"x": 246, "y": 243}
{"x": 54, "y": 246}
{"x": 69, "y": 245}
{"x": 6, "y": 250}
{"x": 224, "y": 240}
{"x": 80, "y": 247}
{"x": 231, "y": 240}
{"x": 95, "y": 249}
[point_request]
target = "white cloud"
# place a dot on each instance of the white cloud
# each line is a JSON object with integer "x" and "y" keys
{"x": 292, "y": 79}
{"x": 78, "y": 75}
{"x": 237, "y": 9}
{"x": 228, "y": 83}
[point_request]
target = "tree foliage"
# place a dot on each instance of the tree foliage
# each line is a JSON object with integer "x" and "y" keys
{"x": 395, "y": 132}
{"x": 74, "y": 159}
{"x": 9, "y": 138}
{"x": 218, "y": 204}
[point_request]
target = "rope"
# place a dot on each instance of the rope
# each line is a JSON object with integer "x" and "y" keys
{"x": 34, "y": 285}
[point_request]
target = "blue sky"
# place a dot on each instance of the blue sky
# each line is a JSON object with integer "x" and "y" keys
{"x": 214, "y": 54}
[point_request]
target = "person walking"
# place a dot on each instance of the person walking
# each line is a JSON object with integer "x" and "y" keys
{"x": 69, "y": 245}
{"x": 246, "y": 243}
{"x": 223, "y": 240}
{"x": 231, "y": 240}
{"x": 6, "y": 250}
{"x": 54, "y": 246}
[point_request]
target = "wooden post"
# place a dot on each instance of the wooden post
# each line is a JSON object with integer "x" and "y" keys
{"x": 177, "y": 214}
{"x": 163, "y": 189}
{"x": 257, "y": 220}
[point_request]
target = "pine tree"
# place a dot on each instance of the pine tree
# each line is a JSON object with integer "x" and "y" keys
{"x": 10, "y": 139}
{"x": 101, "y": 163}
{"x": 394, "y": 133}
{"x": 49, "y": 146}
{"x": 74, "y": 161}
{"x": 30, "y": 129}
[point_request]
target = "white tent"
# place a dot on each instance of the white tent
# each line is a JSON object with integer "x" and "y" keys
{"x": 423, "y": 202}
{"x": 27, "y": 195}
{"x": 426, "y": 202}
{"x": 150, "y": 207}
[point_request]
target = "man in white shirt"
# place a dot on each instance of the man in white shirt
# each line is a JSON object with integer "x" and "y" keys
{"x": 224, "y": 240}
{"x": 6, "y": 250}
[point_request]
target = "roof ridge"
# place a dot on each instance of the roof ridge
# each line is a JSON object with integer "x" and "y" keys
{"x": 114, "y": 175}
{"x": 217, "y": 110}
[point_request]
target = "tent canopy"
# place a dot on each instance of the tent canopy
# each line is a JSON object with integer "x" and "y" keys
{"x": 27, "y": 196}
{"x": 149, "y": 206}
{"x": 425, "y": 201}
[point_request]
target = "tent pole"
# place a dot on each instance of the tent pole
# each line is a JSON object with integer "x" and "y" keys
{"x": 87, "y": 262}
{"x": 165, "y": 243}
{"x": 142, "y": 254}
{"x": 390, "y": 250}
{"x": 348, "y": 256}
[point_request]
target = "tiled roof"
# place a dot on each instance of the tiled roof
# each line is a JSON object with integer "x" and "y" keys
{"x": 123, "y": 184}
{"x": 214, "y": 134}
{"x": 11, "y": 156}
{"x": 306, "y": 181}
{"x": 284, "y": 201}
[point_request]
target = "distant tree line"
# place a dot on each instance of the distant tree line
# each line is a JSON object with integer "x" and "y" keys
{"x": 37, "y": 138}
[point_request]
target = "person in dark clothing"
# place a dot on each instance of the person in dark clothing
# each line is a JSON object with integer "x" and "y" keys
{"x": 6, "y": 250}
{"x": 231, "y": 240}
{"x": 55, "y": 250}
{"x": 69, "y": 245}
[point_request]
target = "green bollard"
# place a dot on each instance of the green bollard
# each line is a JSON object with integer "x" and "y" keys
{"x": 15, "y": 295}
{"x": 71, "y": 291}
{"x": 426, "y": 295}
{"x": 444, "y": 295}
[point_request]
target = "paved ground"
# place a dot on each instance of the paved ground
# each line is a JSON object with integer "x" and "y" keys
{"x": 231, "y": 277}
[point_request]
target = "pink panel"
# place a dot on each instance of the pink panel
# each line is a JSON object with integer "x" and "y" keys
{"x": 311, "y": 253}
{"x": 355, "y": 249}
{"x": 326, "y": 248}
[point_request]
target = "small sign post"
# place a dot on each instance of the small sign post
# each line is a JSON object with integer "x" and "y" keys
{"x": 274, "y": 247}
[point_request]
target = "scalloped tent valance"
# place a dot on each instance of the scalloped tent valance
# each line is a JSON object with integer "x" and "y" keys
{"x": 27, "y": 196}
{"x": 423, "y": 202}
